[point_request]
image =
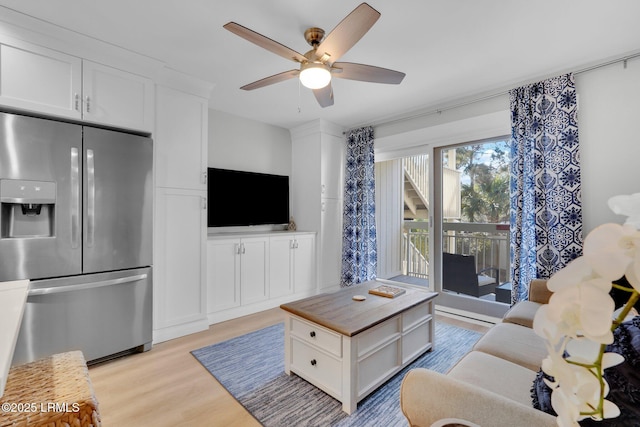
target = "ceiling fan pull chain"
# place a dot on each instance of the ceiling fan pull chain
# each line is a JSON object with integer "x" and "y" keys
{"x": 299, "y": 109}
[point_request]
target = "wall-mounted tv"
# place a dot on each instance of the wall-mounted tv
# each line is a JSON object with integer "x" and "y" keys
{"x": 239, "y": 198}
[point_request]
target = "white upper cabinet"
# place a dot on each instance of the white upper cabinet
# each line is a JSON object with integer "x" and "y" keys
{"x": 332, "y": 154}
{"x": 42, "y": 80}
{"x": 181, "y": 140}
{"x": 117, "y": 98}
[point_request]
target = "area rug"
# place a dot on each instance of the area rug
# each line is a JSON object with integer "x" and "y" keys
{"x": 251, "y": 368}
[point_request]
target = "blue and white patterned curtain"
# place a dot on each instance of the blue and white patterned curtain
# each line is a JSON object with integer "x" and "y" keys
{"x": 546, "y": 202}
{"x": 359, "y": 251}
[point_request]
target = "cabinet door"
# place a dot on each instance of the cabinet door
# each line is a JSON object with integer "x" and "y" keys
{"x": 304, "y": 267}
{"x": 181, "y": 135}
{"x": 117, "y": 98}
{"x": 280, "y": 265}
{"x": 332, "y": 158}
{"x": 179, "y": 252}
{"x": 38, "y": 79}
{"x": 223, "y": 274}
{"x": 330, "y": 243}
{"x": 254, "y": 270}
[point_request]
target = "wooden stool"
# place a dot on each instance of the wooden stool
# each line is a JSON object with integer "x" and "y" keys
{"x": 54, "y": 392}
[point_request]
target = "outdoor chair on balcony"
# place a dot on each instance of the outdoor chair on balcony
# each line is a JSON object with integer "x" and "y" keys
{"x": 459, "y": 275}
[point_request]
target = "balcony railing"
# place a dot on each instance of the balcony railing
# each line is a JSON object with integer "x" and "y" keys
{"x": 488, "y": 243}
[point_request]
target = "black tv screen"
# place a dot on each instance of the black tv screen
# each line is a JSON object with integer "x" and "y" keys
{"x": 238, "y": 198}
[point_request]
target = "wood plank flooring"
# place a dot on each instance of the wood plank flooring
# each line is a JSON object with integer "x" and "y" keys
{"x": 167, "y": 386}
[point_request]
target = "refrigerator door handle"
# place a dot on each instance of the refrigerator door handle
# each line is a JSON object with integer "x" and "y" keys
{"x": 83, "y": 286}
{"x": 91, "y": 198}
{"x": 75, "y": 198}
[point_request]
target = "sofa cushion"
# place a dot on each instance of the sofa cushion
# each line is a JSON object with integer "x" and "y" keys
{"x": 538, "y": 291}
{"x": 522, "y": 313}
{"x": 515, "y": 343}
{"x": 496, "y": 375}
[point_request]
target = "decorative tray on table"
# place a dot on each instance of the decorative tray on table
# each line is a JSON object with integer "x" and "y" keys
{"x": 387, "y": 291}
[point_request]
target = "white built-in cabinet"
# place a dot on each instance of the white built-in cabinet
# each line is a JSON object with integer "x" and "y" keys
{"x": 250, "y": 272}
{"x": 48, "y": 71}
{"x": 116, "y": 98}
{"x": 180, "y": 229}
{"x": 292, "y": 264}
{"x": 37, "y": 79}
{"x": 179, "y": 268}
{"x": 237, "y": 271}
{"x": 317, "y": 186}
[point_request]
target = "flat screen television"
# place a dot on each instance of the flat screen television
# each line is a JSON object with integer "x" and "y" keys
{"x": 239, "y": 198}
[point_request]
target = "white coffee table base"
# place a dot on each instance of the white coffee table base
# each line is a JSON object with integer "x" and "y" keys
{"x": 350, "y": 368}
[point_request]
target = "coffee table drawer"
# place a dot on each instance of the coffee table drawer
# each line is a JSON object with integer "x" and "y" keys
{"x": 415, "y": 316}
{"x": 317, "y": 367}
{"x": 318, "y": 336}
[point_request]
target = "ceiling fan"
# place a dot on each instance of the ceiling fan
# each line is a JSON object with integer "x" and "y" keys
{"x": 319, "y": 65}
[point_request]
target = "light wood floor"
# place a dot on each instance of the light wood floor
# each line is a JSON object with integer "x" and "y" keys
{"x": 167, "y": 386}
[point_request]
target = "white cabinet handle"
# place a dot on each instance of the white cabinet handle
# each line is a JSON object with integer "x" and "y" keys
{"x": 88, "y": 103}
{"x": 77, "y": 101}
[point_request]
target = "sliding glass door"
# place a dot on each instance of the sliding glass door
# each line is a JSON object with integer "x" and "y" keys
{"x": 471, "y": 227}
{"x": 451, "y": 204}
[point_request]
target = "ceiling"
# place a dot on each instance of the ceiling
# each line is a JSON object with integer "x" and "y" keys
{"x": 449, "y": 49}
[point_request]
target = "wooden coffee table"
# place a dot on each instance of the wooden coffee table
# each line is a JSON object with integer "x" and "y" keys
{"x": 349, "y": 348}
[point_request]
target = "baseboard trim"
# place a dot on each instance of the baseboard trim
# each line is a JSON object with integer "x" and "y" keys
{"x": 177, "y": 331}
{"x": 467, "y": 316}
{"x": 244, "y": 310}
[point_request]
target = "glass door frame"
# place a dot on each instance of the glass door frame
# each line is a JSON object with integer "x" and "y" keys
{"x": 455, "y": 304}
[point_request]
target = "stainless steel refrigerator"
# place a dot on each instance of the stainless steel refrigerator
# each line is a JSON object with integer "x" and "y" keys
{"x": 76, "y": 219}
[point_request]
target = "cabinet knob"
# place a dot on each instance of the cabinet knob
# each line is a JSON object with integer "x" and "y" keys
{"x": 313, "y": 362}
{"x": 312, "y": 334}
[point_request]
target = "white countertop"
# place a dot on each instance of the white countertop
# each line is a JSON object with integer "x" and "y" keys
{"x": 13, "y": 297}
{"x": 257, "y": 233}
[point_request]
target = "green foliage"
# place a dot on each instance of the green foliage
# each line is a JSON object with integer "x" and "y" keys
{"x": 485, "y": 189}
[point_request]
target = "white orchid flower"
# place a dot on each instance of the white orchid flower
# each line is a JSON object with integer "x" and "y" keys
{"x": 572, "y": 274}
{"x": 613, "y": 251}
{"x": 584, "y": 310}
{"x": 566, "y": 407}
{"x": 583, "y": 350}
{"x": 611, "y": 410}
{"x": 627, "y": 205}
{"x": 577, "y": 321}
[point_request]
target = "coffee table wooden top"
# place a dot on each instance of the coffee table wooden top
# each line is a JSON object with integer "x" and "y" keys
{"x": 339, "y": 312}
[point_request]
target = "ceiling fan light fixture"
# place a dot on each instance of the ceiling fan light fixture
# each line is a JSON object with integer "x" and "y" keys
{"x": 315, "y": 75}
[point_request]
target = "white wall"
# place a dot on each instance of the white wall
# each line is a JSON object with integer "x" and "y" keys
{"x": 609, "y": 110}
{"x": 609, "y": 140}
{"x": 243, "y": 144}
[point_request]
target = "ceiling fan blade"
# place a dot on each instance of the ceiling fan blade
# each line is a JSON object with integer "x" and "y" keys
{"x": 365, "y": 73}
{"x": 348, "y": 32}
{"x": 264, "y": 42}
{"x": 324, "y": 96}
{"x": 276, "y": 78}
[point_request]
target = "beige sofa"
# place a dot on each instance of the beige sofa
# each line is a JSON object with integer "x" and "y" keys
{"x": 491, "y": 385}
